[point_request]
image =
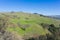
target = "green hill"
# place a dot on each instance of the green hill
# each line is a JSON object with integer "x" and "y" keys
{"x": 26, "y": 25}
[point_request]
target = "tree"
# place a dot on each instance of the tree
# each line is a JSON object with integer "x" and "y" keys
{"x": 41, "y": 14}
{"x": 52, "y": 28}
{"x": 35, "y": 13}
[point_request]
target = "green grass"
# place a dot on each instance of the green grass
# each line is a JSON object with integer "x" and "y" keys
{"x": 33, "y": 20}
{"x": 16, "y": 29}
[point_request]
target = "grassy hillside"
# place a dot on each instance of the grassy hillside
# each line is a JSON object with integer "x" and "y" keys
{"x": 26, "y": 24}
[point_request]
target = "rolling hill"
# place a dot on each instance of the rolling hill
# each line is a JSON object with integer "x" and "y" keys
{"x": 24, "y": 25}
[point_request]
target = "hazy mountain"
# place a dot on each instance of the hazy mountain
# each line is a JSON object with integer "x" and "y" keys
{"x": 55, "y": 16}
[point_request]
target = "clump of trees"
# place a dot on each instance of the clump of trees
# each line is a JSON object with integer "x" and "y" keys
{"x": 41, "y": 15}
{"x": 42, "y": 37}
{"x": 55, "y": 33}
{"x": 35, "y": 13}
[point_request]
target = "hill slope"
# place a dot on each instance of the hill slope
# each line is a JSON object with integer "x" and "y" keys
{"x": 27, "y": 25}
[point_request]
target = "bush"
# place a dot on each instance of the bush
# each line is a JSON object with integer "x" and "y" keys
{"x": 30, "y": 39}
{"x": 42, "y": 37}
{"x": 26, "y": 18}
{"x": 52, "y": 28}
{"x": 45, "y": 25}
{"x": 41, "y": 15}
{"x": 2, "y": 25}
{"x": 23, "y": 27}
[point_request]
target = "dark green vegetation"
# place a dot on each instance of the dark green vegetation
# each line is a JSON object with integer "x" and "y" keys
{"x": 25, "y": 26}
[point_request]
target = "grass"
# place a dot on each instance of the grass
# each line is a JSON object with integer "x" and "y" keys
{"x": 33, "y": 20}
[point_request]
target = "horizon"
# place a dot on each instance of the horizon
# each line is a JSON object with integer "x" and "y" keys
{"x": 45, "y": 7}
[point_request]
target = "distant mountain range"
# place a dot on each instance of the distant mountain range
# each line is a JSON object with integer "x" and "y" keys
{"x": 55, "y": 16}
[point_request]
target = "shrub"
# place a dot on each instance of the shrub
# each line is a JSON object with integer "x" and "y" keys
{"x": 41, "y": 15}
{"x": 50, "y": 37}
{"x": 26, "y": 18}
{"x": 52, "y": 28}
{"x": 45, "y": 25}
{"x": 23, "y": 27}
{"x": 30, "y": 39}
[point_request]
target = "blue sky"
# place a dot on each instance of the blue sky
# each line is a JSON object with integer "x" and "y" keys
{"x": 46, "y": 7}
